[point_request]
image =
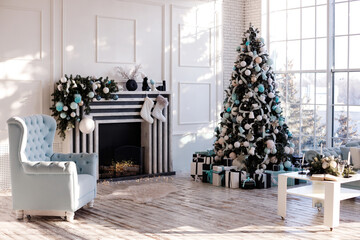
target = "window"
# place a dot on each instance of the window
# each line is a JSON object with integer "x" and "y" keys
{"x": 307, "y": 67}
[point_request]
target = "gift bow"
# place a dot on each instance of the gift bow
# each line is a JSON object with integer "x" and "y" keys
{"x": 248, "y": 180}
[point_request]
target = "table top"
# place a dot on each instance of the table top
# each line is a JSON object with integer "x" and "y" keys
{"x": 354, "y": 177}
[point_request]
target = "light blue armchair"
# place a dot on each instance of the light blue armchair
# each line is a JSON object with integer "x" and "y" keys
{"x": 44, "y": 183}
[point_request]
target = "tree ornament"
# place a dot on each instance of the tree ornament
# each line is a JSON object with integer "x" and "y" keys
{"x": 257, "y": 68}
{"x": 73, "y": 114}
{"x": 252, "y": 151}
{"x": 262, "y": 98}
{"x": 91, "y": 94}
{"x": 226, "y": 115}
{"x": 94, "y": 86}
{"x": 220, "y": 153}
{"x": 242, "y": 63}
{"x": 234, "y": 83}
{"x": 63, "y": 115}
{"x": 228, "y": 109}
{"x": 241, "y": 130}
{"x": 98, "y": 97}
{"x": 232, "y": 155}
{"x": 273, "y": 151}
{"x": 250, "y": 94}
{"x": 246, "y": 144}
{"x": 261, "y": 88}
{"x": 253, "y": 79}
{"x": 267, "y": 150}
{"x": 269, "y": 62}
{"x": 247, "y": 72}
{"x": 226, "y": 138}
{"x": 237, "y": 144}
{"x": 239, "y": 119}
{"x": 278, "y": 110}
{"x": 258, "y": 60}
{"x": 77, "y": 98}
{"x": 271, "y": 95}
{"x": 63, "y": 80}
{"x": 276, "y": 131}
{"x": 65, "y": 108}
{"x": 287, "y": 150}
{"x": 247, "y": 126}
{"x": 270, "y": 81}
{"x": 270, "y": 144}
{"x": 259, "y": 117}
{"x": 291, "y": 150}
{"x": 106, "y": 90}
{"x": 87, "y": 125}
{"x": 230, "y": 146}
{"x": 81, "y": 103}
{"x": 223, "y": 130}
{"x": 251, "y": 115}
{"x": 73, "y": 105}
{"x": 59, "y": 106}
{"x": 287, "y": 164}
{"x": 60, "y": 87}
{"x": 221, "y": 140}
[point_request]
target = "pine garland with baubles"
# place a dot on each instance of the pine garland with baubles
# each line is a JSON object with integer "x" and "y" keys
{"x": 253, "y": 131}
{"x": 71, "y": 93}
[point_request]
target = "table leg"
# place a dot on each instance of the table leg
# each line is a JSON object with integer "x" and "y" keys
{"x": 332, "y": 204}
{"x": 282, "y": 193}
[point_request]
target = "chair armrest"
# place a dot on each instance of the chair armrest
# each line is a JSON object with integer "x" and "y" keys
{"x": 46, "y": 167}
{"x": 86, "y": 163}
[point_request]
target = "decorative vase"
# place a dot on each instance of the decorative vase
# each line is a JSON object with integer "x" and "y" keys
{"x": 131, "y": 85}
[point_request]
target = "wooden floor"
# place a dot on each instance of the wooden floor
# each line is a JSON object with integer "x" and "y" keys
{"x": 195, "y": 211}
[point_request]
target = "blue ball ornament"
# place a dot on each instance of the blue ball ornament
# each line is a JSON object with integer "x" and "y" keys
{"x": 277, "y": 99}
{"x": 269, "y": 61}
{"x": 290, "y": 134}
{"x": 63, "y": 115}
{"x": 234, "y": 119}
{"x": 98, "y": 97}
{"x": 261, "y": 88}
{"x": 226, "y": 115}
{"x": 238, "y": 48}
{"x": 281, "y": 123}
{"x": 292, "y": 145}
{"x": 255, "y": 52}
{"x": 272, "y": 118}
{"x": 73, "y": 105}
{"x": 115, "y": 97}
{"x": 257, "y": 69}
{"x": 262, "y": 40}
{"x": 91, "y": 94}
{"x": 249, "y": 85}
{"x": 77, "y": 98}
{"x": 234, "y": 68}
{"x": 216, "y": 129}
{"x": 241, "y": 130}
{"x": 109, "y": 82}
{"x": 287, "y": 164}
{"x": 59, "y": 106}
{"x": 274, "y": 107}
{"x": 247, "y": 43}
{"x": 237, "y": 102}
{"x": 274, "y": 151}
{"x": 233, "y": 96}
{"x": 68, "y": 118}
{"x": 228, "y": 109}
{"x": 278, "y": 110}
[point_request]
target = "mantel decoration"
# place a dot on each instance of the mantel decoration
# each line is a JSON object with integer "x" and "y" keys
{"x": 72, "y": 92}
{"x": 130, "y": 76}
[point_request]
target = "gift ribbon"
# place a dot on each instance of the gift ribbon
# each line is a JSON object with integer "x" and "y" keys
{"x": 247, "y": 180}
{"x": 209, "y": 173}
{"x": 234, "y": 171}
{"x": 222, "y": 173}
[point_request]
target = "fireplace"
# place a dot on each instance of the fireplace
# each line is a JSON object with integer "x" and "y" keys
{"x": 118, "y": 125}
{"x": 120, "y": 151}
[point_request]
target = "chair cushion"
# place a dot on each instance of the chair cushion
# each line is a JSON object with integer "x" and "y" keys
{"x": 86, "y": 184}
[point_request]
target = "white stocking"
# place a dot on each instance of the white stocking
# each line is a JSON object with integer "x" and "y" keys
{"x": 161, "y": 102}
{"x": 146, "y": 110}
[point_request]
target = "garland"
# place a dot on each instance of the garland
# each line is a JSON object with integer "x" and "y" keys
{"x": 70, "y": 93}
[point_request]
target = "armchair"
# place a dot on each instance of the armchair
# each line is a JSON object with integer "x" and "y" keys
{"x": 43, "y": 182}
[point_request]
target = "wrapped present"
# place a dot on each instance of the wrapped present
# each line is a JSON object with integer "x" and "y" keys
{"x": 274, "y": 178}
{"x": 196, "y": 169}
{"x": 233, "y": 178}
{"x": 208, "y": 153}
{"x": 226, "y": 162}
{"x": 219, "y": 175}
{"x": 262, "y": 180}
{"x": 207, "y": 173}
{"x": 296, "y": 160}
{"x": 203, "y": 158}
{"x": 248, "y": 183}
{"x": 276, "y": 167}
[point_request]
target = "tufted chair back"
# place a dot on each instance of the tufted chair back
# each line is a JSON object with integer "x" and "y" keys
{"x": 40, "y": 136}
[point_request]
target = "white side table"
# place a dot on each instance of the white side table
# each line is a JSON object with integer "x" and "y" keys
{"x": 329, "y": 192}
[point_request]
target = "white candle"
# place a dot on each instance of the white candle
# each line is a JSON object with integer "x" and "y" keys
{"x": 321, "y": 149}
{"x": 349, "y": 157}
{"x": 302, "y": 161}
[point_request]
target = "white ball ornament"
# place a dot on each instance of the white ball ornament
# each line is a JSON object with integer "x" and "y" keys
{"x": 106, "y": 90}
{"x": 221, "y": 140}
{"x": 256, "y": 89}
{"x": 227, "y": 105}
{"x": 252, "y": 151}
{"x": 226, "y": 138}
{"x": 247, "y": 126}
{"x": 271, "y": 95}
{"x": 240, "y": 82}
{"x": 63, "y": 79}
{"x": 230, "y": 146}
{"x": 237, "y": 144}
{"x": 220, "y": 153}
{"x": 94, "y": 86}
{"x": 239, "y": 119}
{"x": 250, "y": 54}
{"x": 60, "y": 87}
{"x": 266, "y": 68}
{"x": 287, "y": 150}
{"x": 223, "y": 130}
{"x": 232, "y": 155}
{"x": 262, "y": 98}
{"x": 250, "y": 94}
{"x": 73, "y": 114}
{"x": 270, "y": 144}
{"x": 87, "y": 125}
{"x": 270, "y": 81}
{"x": 245, "y": 144}
{"x": 276, "y": 131}
{"x": 242, "y": 63}
{"x": 291, "y": 150}
{"x": 247, "y": 72}
{"x": 65, "y": 108}
{"x": 259, "y": 118}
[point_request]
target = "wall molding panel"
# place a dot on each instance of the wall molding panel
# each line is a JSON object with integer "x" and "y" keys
{"x": 115, "y": 40}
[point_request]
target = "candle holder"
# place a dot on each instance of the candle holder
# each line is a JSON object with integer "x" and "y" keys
{"x": 346, "y": 175}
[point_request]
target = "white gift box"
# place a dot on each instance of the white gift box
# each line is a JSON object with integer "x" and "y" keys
{"x": 233, "y": 179}
{"x": 196, "y": 168}
{"x": 218, "y": 174}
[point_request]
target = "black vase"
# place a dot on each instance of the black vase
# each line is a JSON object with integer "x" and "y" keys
{"x": 131, "y": 85}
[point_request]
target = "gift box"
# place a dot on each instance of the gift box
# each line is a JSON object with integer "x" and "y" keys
{"x": 207, "y": 173}
{"x": 248, "y": 183}
{"x": 196, "y": 169}
{"x": 226, "y": 162}
{"x": 262, "y": 180}
{"x": 233, "y": 178}
{"x": 276, "y": 167}
{"x": 203, "y": 158}
{"x": 219, "y": 175}
{"x": 274, "y": 178}
{"x": 208, "y": 153}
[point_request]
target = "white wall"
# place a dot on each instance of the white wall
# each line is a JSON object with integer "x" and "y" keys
{"x": 179, "y": 41}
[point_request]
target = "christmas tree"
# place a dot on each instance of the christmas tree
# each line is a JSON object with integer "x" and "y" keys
{"x": 345, "y": 130}
{"x": 252, "y": 130}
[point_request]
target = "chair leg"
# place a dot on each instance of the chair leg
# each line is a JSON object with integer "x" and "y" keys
{"x": 19, "y": 214}
{"x": 69, "y": 216}
{"x": 91, "y": 204}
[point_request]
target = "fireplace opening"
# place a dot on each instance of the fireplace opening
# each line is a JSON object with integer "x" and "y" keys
{"x": 120, "y": 151}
